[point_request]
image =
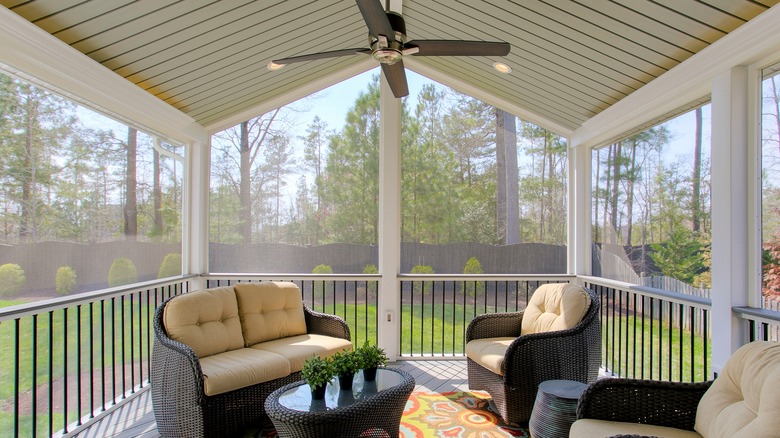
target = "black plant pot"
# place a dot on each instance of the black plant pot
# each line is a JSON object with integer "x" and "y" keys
{"x": 345, "y": 380}
{"x": 318, "y": 392}
{"x": 369, "y": 374}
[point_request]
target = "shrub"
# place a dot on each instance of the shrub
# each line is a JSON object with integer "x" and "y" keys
{"x": 170, "y": 266}
{"x": 419, "y": 286}
{"x": 122, "y": 272}
{"x": 473, "y": 266}
{"x": 12, "y": 279}
{"x": 317, "y": 371}
{"x": 372, "y": 285}
{"x": 323, "y": 288}
{"x": 65, "y": 280}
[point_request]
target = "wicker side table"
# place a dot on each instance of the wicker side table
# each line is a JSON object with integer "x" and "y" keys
{"x": 555, "y": 408}
{"x": 369, "y": 409}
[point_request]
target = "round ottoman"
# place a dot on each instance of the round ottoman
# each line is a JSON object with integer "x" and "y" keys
{"x": 555, "y": 408}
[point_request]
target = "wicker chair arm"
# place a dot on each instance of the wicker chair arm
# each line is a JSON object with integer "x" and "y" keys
{"x": 495, "y": 325}
{"x": 173, "y": 358}
{"x": 325, "y": 324}
{"x": 670, "y": 404}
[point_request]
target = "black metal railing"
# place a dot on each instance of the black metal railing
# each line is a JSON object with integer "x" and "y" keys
{"x": 436, "y": 309}
{"x": 352, "y": 297}
{"x": 67, "y": 360}
{"x": 654, "y": 334}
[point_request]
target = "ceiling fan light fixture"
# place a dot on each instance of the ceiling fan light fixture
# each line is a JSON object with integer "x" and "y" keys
{"x": 272, "y": 66}
{"x": 502, "y": 68}
{"x": 387, "y": 56}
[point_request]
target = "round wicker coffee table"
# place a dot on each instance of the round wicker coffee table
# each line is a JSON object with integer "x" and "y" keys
{"x": 555, "y": 408}
{"x": 369, "y": 409}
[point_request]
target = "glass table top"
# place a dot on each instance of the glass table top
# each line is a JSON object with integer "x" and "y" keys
{"x": 299, "y": 397}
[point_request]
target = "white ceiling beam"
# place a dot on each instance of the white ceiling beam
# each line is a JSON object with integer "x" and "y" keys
{"x": 685, "y": 83}
{"x": 33, "y": 54}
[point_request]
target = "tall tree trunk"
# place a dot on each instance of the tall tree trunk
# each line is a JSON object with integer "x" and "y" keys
{"x": 550, "y": 172}
{"x": 501, "y": 212}
{"x": 607, "y": 181}
{"x": 630, "y": 193}
{"x": 157, "y": 193}
{"x": 28, "y": 182}
{"x": 596, "y": 198}
{"x": 244, "y": 196}
{"x": 697, "y": 173}
{"x": 541, "y": 189}
{"x": 613, "y": 214}
{"x": 131, "y": 183}
{"x": 512, "y": 180}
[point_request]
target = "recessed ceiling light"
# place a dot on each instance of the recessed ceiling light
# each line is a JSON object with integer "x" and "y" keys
{"x": 272, "y": 66}
{"x": 502, "y": 68}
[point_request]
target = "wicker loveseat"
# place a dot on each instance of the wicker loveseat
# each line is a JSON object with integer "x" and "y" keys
{"x": 218, "y": 354}
{"x": 744, "y": 401}
{"x": 557, "y": 336}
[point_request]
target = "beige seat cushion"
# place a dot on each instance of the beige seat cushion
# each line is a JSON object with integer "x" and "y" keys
{"x": 240, "y": 368}
{"x": 299, "y": 348}
{"x": 270, "y": 310}
{"x": 601, "y": 429}
{"x": 206, "y": 320}
{"x": 489, "y": 352}
{"x": 744, "y": 401}
{"x": 553, "y": 307}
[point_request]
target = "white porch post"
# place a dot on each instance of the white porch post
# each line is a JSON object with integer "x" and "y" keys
{"x": 195, "y": 253}
{"x": 388, "y": 311}
{"x": 580, "y": 238}
{"x": 730, "y": 211}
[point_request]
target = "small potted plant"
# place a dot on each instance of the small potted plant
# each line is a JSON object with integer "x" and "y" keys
{"x": 371, "y": 357}
{"x": 346, "y": 364}
{"x": 317, "y": 372}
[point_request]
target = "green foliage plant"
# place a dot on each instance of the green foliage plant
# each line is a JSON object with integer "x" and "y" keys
{"x": 170, "y": 266}
{"x": 317, "y": 371}
{"x": 65, "y": 280}
{"x": 346, "y": 362}
{"x": 323, "y": 288}
{"x": 473, "y": 266}
{"x": 122, "y": 272}
{"x": 372, "y": 285}
{"x": 371, "y": 356}
{"x": 681, "y": 256}
{"x": 417, "y": 286}
{"x": 12, "y": 279}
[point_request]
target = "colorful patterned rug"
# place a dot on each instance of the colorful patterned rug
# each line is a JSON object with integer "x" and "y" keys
{"x": 449, "y": 414}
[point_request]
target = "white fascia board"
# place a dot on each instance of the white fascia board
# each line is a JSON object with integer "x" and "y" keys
{"x": 33, "y": 53}
{"x": 688, "y": 81}
{"x": 291, "y": 96}
{"x": 499, "y": 102}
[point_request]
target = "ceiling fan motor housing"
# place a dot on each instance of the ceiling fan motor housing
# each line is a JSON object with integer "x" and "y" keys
{"x": 385, "y": 51}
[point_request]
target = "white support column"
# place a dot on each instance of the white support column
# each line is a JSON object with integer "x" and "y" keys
{"x": 388, "y": 311}
{"x": 196, "y": 207}
{"x": 730, "y": 134}
{"x": 579, "y": 240}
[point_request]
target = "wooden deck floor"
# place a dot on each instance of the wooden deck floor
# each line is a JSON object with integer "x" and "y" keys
{"x": 135, "y": 418}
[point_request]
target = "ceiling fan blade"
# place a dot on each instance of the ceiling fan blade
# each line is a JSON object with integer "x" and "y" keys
{"x": 458, "y": 48}
{"x": 396, "y": 78}
{"x": 376, "y": 19}
{"x": 321, "y": 55}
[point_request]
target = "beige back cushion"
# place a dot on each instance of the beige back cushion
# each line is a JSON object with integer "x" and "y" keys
{"x": 553, "y": 307}
{"x": 270, "y": 310}
{"x": 206, "y": 320}
{"x": 744, "y": 401}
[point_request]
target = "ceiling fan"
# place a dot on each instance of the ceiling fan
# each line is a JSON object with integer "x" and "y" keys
{"x": 388, "y": 44}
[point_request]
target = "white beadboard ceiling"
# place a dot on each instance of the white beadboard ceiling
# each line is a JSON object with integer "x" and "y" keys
{"x": 570, "y": 59}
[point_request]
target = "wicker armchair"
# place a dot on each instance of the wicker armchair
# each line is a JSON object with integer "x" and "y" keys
{"x": 182, "y": 409}
{"x": 571, "y": 354}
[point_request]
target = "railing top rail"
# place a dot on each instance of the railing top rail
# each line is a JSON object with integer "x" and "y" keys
{"x": 653, "y": 292}
{"x": 485, "y": 277}
{"x": 290, "y": 276}
{"x": 761, "y": 315}
{"x": 38, "y": 307}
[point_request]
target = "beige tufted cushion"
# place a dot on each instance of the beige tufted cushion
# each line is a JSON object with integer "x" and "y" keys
{"x": 270, "y": 310}
{"x": 552, "y": 307}
{"x": 489, "y": 352}
{"x": 589, "y": 428}
{"x": 206, "y": 320}
{"x": 237, "y": 369}
{"x": 296, "y": 349}
{"x": 744, "y": 401}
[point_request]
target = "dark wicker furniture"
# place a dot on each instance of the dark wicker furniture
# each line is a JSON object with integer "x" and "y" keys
{"x": 670, "y": 404}
{"x": 555, "y": 408}
{"x": 572, "y": 354}
{"x": 369, "y": 409}
{"x": 182, "y": 409}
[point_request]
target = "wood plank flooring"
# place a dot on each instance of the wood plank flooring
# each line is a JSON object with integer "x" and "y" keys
{"x": 135, "y": 418}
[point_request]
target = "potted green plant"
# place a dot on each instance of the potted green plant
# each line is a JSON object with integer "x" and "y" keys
{"x": 317, "y": 372}
{"x": 346, "y": 364}
{"x": 371, "y": 357}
